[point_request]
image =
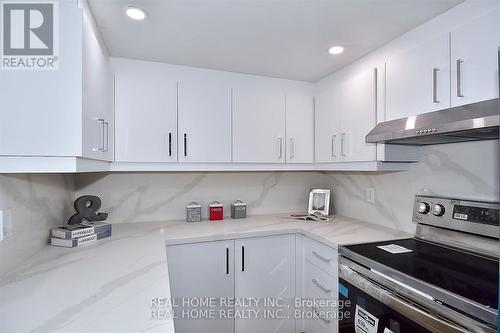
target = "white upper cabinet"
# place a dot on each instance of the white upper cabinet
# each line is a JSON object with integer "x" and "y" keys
{"x": 258, "y": 125}
{"x": 474, "y": 60}
{"x": 204, "y": 123}
{"x": 327, "y": 127}
{"x": 418, "y": 80}
{"x": 299, "y": 128}
{"x": 53, "y": 113}
{"x": 98, "y": 113}
{"x": 357, "y": 107}
{"x": 345, "y": 113}
{"x": 146, "y": 119}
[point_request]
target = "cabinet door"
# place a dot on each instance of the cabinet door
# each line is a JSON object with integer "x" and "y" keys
{"x": 41, "y": 110}
{"x": 98, "y": 113}
{"x": 258, "y": 125}
{"x": 474, "y": 60}
{"x": 418, "y": 80}
{"x": 357, "y": 108}
{"x": 265, "y": 270}
{"x": 299, "y": 128}
{"x": 146, "y": 119}
{"x": 201, "y": 271}
{"x": 327, "y": 126}
{"x": 204, "y": 123}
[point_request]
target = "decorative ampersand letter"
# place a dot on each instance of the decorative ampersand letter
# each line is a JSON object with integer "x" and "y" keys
{"x": 86, "y": 208}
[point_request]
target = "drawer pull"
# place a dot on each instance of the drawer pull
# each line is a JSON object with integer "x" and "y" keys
{"x": 317, "y": 284}
{"x": 315, "y": 311}
{"x": 321, "y": 257}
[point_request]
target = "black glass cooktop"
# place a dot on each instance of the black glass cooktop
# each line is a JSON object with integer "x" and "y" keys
{"x": 470, "y": 276}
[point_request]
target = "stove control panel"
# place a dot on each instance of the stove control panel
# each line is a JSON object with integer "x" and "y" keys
{"x": 476, "y": 217}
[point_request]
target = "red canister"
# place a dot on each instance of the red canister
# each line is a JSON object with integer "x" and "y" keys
{"x": 215, "y": 211}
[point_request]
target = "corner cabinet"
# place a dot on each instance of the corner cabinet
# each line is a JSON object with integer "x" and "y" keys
{"x": 65, "y": 113}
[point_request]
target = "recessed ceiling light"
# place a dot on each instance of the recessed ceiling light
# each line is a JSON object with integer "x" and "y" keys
{"x": 136, "y": 13}
{"x": 336, "y": 50}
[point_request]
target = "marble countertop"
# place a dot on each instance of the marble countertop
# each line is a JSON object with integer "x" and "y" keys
{"x": 109, "y": 286}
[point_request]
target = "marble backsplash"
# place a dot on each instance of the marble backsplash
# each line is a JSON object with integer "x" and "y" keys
{"x": 32, "y": 204}
{"x": 139, "y": 197}
{"x": 468, "y": 170}
{"x": 36, "y": 203}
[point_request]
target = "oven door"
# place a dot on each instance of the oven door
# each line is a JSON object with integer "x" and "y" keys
{"x": 366, "y": 314}
{"x": 368, "y": 306}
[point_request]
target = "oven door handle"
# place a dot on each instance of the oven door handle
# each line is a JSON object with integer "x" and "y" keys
{"x": 430, "y": 322}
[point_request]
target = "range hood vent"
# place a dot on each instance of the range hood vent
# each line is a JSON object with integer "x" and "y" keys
{"x": 472, "y": 122}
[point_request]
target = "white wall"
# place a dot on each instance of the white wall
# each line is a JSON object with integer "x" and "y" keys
{"x": 35, "y": 204}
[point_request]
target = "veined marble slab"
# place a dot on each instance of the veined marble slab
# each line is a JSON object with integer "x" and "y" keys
{"x": 109, "y": 286}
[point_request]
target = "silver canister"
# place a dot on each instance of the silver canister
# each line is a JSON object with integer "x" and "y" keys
{"x": 238, "y": 210}
{"x": 193, "y": 212}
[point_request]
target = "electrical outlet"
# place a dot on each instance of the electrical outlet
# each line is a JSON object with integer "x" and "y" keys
{"x": 370, "y": 195}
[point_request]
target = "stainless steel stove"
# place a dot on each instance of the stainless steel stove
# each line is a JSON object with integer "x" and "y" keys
{"x": 445, "y": 279}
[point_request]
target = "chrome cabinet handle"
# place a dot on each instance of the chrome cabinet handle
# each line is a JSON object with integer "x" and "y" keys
{"x": 315, "y": 311}
{"x": 321, "y": 257}
{"x": 280, "y": 147}
{"x": 170, "y": 144}
{"x": 317, "y": 284}
{"x": 106, "y": 124}
{"x": 459, "y": 77}
{"x": 242, "y": 258}
{"x": 227, "y": 261}
{"x": 102, "y": 146}
{"x": 185, "y": 144}
{"x": 342, "y": 142}
{"x": 292, "y": 148}
{"x": 334, "y": 138}
{"x": 434, "y": 85}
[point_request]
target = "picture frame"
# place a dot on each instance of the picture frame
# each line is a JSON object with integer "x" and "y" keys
{"x": 319, "y": 202}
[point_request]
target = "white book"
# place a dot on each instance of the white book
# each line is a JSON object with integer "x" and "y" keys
{"x": 69, "y": 232}
{"x": 73, "y": 242}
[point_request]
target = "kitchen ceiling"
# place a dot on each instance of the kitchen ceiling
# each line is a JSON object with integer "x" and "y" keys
{"x": 281, "y": 38}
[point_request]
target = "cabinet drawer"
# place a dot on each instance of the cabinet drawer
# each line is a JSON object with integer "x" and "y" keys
{"x": 319, "y": 284}
{"x": 321, "y": 255}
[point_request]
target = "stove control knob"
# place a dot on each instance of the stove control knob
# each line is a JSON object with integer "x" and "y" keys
{"x": 423, "y": 208}
{"x": 438, "y": 210}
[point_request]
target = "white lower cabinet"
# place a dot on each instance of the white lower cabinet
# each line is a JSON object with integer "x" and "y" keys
{"x": 319, "y": 282}
{"x": 265, "y": 269}
{"x": 197, "y": 271}
{"x": 261, "y": 269}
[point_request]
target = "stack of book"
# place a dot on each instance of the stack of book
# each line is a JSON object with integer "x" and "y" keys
{"x": 79, "y": 234}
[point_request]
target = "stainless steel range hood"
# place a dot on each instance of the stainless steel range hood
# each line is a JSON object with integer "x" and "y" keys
{"x": 478, "y": 121}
